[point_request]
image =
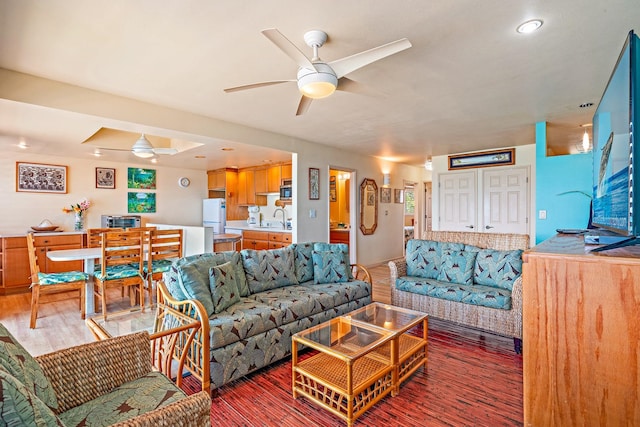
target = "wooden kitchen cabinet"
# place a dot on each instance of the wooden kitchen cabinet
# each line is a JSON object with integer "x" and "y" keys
{"x": 581, "y": 334}
{"x": 260, "y": 180}
{"x": 16, "y": 272}
{"x": 15, "y": 259}
{"x": 286, "y": 171}
{"x": 264, "y": 239}
{"x": 246, "y": 187}
{"x": 216, "y": 179}
{"x": 48, "y": 243}
{"x": 274, "y": 178}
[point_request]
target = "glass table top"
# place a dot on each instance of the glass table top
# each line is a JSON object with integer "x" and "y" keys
{"x": 386, "y": 316}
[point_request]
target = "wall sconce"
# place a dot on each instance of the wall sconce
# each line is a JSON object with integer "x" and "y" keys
{"x": 386, "y": 179}
{"x": 428, "y": 165}
{"x": 344, "y": 176}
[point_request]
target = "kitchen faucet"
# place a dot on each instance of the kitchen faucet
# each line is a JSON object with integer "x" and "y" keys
{"x": 284, "y": 216}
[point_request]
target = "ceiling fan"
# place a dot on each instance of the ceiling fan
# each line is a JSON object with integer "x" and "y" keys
{"x": 316, "y": 78}
{"x": 143, "y": 148}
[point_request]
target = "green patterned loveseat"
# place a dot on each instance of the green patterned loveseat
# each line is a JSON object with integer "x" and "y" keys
{"x": 250, "y": 303}
{"x": 469, "y": 278}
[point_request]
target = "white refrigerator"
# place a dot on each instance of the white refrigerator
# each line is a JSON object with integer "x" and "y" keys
{"x": 214, "y": 214}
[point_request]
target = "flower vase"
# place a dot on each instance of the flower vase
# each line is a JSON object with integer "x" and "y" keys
{"x": 79, "y": 223}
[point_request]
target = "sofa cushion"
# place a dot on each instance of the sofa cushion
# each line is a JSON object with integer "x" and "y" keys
{"x": 296, "y": 302}
{"x": 498, "y": 269}
{"x": 20, "y": 407}
{"x": 224, "y": 291}
{"x": 242, "y": 320}
{"x": 131, "y": 399}
{"x": 17, "y": 361}
{"x": 269, "y": 269}
{"x": 303, "y": 261}
{"x": 341, "y": 248}
{"x": 342, "y": 293}
{"x": 469, "y": 294}
{"x": 330, "y": 267}
{"x": 457, "y": 267}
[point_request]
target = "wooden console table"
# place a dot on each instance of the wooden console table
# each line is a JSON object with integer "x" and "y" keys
{"x": 581, "y": 334}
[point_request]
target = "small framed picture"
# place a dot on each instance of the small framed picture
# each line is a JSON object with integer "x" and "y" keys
{"x": 105, "y": 178}
{"x": 398, "y": 196}
{"x": 385, "y": 195}
{"x": 41, "y": 178}
{"x": 314, "y": 184}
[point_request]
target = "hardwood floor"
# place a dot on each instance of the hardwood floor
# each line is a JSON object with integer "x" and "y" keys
{"x": 473, "y": 378}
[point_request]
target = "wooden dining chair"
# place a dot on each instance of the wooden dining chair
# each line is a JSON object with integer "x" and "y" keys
{"x": 121, "y": 265}
{"x": 164, "y": 247}
{"x": 94, "y": 240}
{"x": 50, "y": 283}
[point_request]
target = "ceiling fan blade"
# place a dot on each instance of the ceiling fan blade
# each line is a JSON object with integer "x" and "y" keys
{"x": 303, "y": 106}
{"x": 288, "y": 48}
{"x": 346, "y": 65}
{"x": 347, "y": 85}
{"x": 113, "y": 149}
{"x": 255, "y": 85}
{"x": 169, "y": 151}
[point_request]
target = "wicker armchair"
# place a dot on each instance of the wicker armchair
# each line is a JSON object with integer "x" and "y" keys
{"x": 109, "y": 382}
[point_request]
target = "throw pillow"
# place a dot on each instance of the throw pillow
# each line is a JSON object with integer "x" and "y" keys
{"x": 20, "y": 407}
{"x": 303, "y": 261}
{"x": 194, "y": 283}
{"x": 224, "y": 291}
{"x": 17, "y": 361}
{"x": 457, "y": 267}
{"x": 269, "y": 269}
{"x": 498, "y": 269}
{"x": 341, "y": 248}
{"x": 423, "y": 258}
{"x": 329, "y": 267}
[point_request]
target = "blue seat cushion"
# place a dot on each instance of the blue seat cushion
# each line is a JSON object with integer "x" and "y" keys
{"x": 457, "y": 267}
{"x": 115, "y": 272}
{"x": 269, "y": 269}
{"x": 224, "y": 291}
{"x": 498, "y": 269}
{"x": 57, "y": 278}
{"x": 159, "y": 266}
{"x": 131, "y": 399}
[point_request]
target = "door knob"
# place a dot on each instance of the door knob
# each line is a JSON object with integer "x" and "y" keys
{"x": 488, "y": 227}
{"x": 469, "y": 226}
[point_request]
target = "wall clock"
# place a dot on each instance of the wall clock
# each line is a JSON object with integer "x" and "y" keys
{"x": 184, "y": 182}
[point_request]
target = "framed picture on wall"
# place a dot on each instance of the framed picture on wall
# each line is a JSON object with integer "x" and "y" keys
{"x": 41, "y": 178}
{"x": 333, "y": 192}
{"x": 314, "y": 183}
{"x": 105, "y": 178}
{"x": 398, "y": 196}
{"x": 139, "y": 202}
{"x": 142, "y": 179}
{"x": 385, "y": 195}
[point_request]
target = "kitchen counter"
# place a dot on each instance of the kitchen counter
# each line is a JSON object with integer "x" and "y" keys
{"x": 226, "y": 237}
{"x": 242, "y": 225}
{"x": 20, "y": 233}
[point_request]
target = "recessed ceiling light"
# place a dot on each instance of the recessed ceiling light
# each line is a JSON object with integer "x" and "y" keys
{"x": 586, "y": 105}
{"x": 200, "y": 157}
{"x": 154, "y": 160}
{"x": 529, "y": 26}
{"x": 23, "y": 144}
{"x": 97, "y": 153}
{"x": 227, "y": 149}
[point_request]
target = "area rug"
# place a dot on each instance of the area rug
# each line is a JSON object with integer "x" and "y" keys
{"x": 473, "y": 379}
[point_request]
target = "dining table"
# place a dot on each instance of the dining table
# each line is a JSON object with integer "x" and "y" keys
{"x": 89, "y": 256}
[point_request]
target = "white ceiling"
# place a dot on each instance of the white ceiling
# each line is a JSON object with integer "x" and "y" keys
{"x": 470, "y": 82}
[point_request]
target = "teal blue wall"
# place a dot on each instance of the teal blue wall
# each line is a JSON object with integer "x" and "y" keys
{"x": 556, "y": 175}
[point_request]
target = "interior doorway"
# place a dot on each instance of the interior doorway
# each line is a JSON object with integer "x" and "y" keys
{"x": 342, "y": 221}
{"x": 410, "y": 212}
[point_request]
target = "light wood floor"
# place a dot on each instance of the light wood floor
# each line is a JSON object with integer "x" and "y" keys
{"x": 60, "y": 326}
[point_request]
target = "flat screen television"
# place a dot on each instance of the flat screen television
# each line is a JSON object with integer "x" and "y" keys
{"x": 616, "y": 152}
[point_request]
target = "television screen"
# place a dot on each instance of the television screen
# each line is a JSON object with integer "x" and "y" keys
{"x": 614, "y": 149}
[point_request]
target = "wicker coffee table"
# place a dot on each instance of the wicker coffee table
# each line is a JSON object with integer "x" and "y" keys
{"x": 411, "y": 350}
{"x": 361, "y": 358}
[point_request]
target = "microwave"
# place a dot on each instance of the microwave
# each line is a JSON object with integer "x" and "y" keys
{"x": 120, "y": 221}
{"x": 285, "y": 190}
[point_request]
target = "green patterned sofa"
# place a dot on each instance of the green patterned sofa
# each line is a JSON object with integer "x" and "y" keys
{"x": 250, "y": 303}
{"x": 473, "y": 279}
{"x": 104, "y": 383}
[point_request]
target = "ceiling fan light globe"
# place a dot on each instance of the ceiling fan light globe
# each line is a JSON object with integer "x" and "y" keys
{"x": 142, "y": 148}
{"x": 317, "y": 84}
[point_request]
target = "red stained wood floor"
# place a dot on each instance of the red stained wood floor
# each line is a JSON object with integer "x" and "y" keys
{"x": 473, "y": 379}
